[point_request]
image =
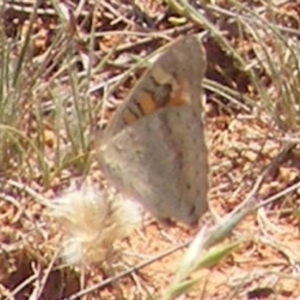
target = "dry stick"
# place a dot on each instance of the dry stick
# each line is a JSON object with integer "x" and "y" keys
{"x": 36, "y": 196}
{"x": 27, "y": 7}
{"x": 152, "y": 36}
{"x": 37, "y": 292}
{"x": 4, "y": 291}
{"x": 261, "y": 217}
{"x": 125, "y": 273}
{"x": 117, "y": 14}
{"x": 11, "y": 200}
{"x": 149, "y": 37}
{"x": 250, "y": 198}
{"x": 187, "y": 10}
{"x": 21, "y": 6}
{"x": 277, "y": 160}
{"x": 22, "y": 285}
{"x": 278, "y": 195}
{"x": 20, "y": 208}
{"x": 30, "y": 280}
{"x": 281, "y": 248}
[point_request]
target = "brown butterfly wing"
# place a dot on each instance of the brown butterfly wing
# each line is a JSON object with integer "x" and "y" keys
{"x": 161, "y": 161}
{"x": 154, "y": 148}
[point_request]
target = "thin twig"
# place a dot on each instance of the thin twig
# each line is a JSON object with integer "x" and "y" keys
{"x": 125, "y": 273}
{"x": 37, "y": 292}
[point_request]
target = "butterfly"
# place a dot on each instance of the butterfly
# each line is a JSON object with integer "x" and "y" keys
{"x": 154, "y": 150}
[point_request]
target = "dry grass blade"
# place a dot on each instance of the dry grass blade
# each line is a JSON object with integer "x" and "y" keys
{"x": 276, "y": 53}
{"x": 184, "y": 8}
{"x": 193, "y": 261}
{"x": 245, "y": 103}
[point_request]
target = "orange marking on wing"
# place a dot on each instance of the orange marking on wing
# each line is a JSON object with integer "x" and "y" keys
{"x": 178, "y": 97}
{"x": 147, "y": 103}
{"x": 129, "y": 117}
{"x": 176, "y": 101}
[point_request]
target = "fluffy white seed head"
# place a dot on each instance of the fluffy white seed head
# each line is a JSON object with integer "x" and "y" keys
{"x": 92, "y": 221}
